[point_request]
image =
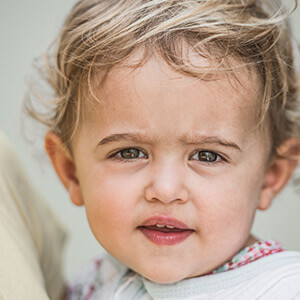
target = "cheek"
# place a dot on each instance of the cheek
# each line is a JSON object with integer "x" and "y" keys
{"x": 227, "y": 200}
{"x": 110, "y": 204}
{"x": 106, "y": 217}
{"x": 225, "y": 217}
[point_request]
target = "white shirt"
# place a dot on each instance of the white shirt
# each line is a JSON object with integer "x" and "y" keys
{"x": 273, "y": 277}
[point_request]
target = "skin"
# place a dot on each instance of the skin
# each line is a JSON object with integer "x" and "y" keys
{"x": 169, "y": 119}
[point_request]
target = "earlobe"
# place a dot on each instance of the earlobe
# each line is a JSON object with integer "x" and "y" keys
{"x": 64, "y": 166}
{"x": 280, "y": 170}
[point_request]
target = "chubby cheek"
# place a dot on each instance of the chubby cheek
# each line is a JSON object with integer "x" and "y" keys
{"x": 110, "y": 205}
{"x": 227, "y": 208}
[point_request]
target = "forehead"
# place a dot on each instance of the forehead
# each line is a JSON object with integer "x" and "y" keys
{"x": 154, "y": 83}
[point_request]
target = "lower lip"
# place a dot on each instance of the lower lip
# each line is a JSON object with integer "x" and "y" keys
{"x": 165, "y": 238}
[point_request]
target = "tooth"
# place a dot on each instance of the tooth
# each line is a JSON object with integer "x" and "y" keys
{"x": 160, "y": 226}
{"x": 170, "y": 227}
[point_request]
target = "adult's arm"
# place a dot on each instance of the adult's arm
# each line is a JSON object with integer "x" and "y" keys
{"x": 31, "y": 238}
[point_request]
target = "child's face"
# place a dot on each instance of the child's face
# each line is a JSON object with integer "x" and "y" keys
{"x": 163, "y": 148}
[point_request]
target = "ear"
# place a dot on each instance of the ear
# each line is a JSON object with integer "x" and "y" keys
{"x": 64, "y": 166}
{"x": 279, "y": 171}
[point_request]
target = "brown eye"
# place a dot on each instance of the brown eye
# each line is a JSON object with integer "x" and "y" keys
{"x": 205, "y": 156}
{"x": 130, "y": 153}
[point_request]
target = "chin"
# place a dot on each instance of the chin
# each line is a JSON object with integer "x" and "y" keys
{"x": 163, "y": 270}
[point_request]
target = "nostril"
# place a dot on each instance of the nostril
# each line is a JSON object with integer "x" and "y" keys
{"x": 163, "y": 197}
{"x": 166, "y": 185}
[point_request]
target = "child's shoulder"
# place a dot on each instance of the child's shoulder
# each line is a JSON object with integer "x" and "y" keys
{"x": 278, "y": 277}
{"x": 96, "y": 279}
{"x": 84, "y": 283}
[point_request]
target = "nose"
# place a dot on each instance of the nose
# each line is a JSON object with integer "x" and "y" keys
{"x": 166, "y": 183}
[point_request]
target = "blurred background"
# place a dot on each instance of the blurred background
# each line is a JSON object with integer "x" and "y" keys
{"x": 26, "y": 30}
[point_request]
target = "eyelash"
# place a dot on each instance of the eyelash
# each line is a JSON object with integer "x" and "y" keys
{"x": 117, "y": 155}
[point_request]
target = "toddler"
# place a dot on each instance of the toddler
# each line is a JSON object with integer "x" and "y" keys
{"x": 173, "y": 122}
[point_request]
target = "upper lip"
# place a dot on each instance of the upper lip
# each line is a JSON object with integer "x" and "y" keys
{"x": 165, "y": 220}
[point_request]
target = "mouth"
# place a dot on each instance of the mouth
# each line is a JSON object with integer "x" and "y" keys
{"x": 165, "y": 230}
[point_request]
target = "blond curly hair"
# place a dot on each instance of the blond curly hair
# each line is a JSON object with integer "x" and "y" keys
{"x": 99, "y": 34}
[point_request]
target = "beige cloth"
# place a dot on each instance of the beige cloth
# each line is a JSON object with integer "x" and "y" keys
{"x": 31, "y": 238}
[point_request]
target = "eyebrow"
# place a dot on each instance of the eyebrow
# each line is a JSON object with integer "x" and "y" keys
{"x": 117, "y": 137}
{"x": 186, "y": 140}
{"x": 202, "y": 139}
